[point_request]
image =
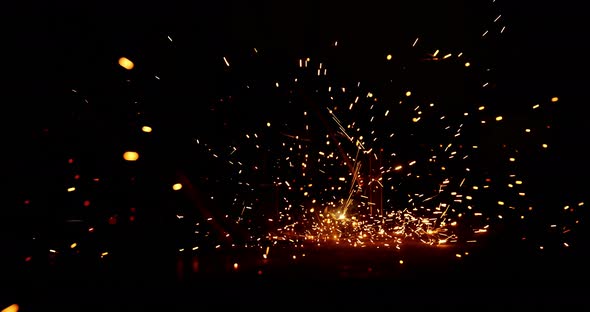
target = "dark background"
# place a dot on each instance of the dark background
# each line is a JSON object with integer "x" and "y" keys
{"x": 50, "y": 49}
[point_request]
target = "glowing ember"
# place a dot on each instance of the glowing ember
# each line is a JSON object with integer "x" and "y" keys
{"x": 130, "y": 156}
{"x": 126, "y": 63}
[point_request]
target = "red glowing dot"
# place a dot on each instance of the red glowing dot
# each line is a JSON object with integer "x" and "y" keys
{"x": 91, "y": 229}
{"x": 259, "y": 272}
{"x": 133, "y": 209}
{"x": 86, "y": 203}
{"x": 131, "y": 218}
{"x": 113, "y": 220}
{"x": 71, "y": 161}
{"x": 27, "y": 259}
{"x": 27, "y": 201}
{"x": 76, "y": 177}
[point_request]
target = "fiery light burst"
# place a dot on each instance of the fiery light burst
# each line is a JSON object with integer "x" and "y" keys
{"x": 301, "y": 151}
{"x": 348, "y": 162}
{"x": 361, "y": 164}
{"x": 358, "y": 167}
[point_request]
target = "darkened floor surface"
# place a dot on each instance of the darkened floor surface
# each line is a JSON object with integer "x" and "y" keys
{"x": 491, "y": 279}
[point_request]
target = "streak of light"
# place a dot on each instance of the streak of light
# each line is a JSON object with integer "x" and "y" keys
{"x": 11, "y": 308}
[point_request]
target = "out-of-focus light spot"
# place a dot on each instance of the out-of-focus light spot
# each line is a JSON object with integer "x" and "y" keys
{"x": 401, "y": 262}
{"x": 73, "y": 245}
{"x": 467, "y": 64}
{"x": 527, "y": 130}
{"x": 11, "y": 308}
{"x": 481, "y": 107}
{"x": 226, "y": 61}
{"x": 86, "y": 203}
{"x": 126, "y": 63}
{"x": 554, "y": 99}
{"x": 545, "y": 145}
{"x": 501, "y": 203}
{"x": 408, "y": 93}
{"x": 146, "y": 129}
{"x": 498, "y": 118}
{"x": 268, "y": 124}
{"x": 130, "y": 156}
{"x": 71, "y": 189}
{"x": 389, "y": 57}
{"x": 535, "y": 106}
{"x": 177, "y": 186}
{"x": 236, "y": 266}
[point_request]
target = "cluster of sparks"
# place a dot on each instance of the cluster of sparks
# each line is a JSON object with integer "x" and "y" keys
{"x": 362, "y": 165}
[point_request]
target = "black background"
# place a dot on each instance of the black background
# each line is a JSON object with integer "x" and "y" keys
{"x": 52, "y": 48}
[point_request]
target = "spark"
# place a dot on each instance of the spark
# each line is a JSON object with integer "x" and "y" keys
{"x": 130, "y": 156}
{"x": 126, "y": 63}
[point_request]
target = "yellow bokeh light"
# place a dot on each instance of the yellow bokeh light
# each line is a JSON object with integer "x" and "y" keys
{"x": 545, "y": 145}
{"x": 467, "y": 64}
{"x": 408, "y": 93}
{"x": 73, "y": 245}
{"x": 554, "y": 99}
{"x": 498, "y": 118}
{"x": 130, "y": 156}
{"x": 146, "y": 129}
{"x": 389, "y": 57}
{"x": 177, "y": 186}
{"x": 11, "y": 308}
{"x": 126, "y": 63}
